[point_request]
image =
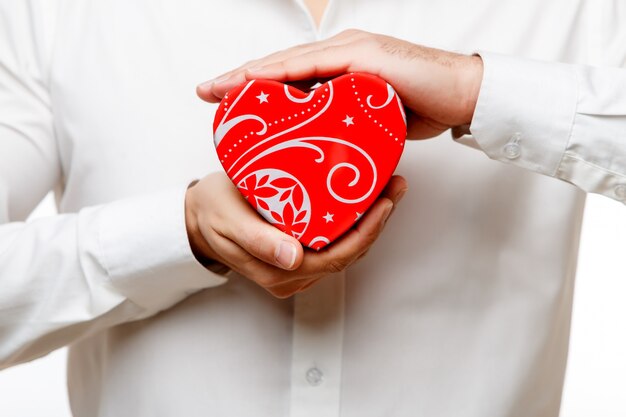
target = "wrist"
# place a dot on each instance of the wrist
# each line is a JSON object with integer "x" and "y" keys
{"x": 198, "y": 244}
{"x": 469, "y": 80}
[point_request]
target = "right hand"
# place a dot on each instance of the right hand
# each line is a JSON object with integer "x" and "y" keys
{"x": 439, "y": 88}
{"x": 223, "y": 227}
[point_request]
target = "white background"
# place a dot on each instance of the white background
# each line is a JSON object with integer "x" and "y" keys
{"x": 596, "y": 375}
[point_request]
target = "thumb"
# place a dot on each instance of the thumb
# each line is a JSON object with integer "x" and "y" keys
{"x": 264, "y": 241}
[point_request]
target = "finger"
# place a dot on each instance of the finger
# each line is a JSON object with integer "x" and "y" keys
{"x": 343, "y": 252}
{"x": 295, "y": 51}
{"x": 423, "y": 128}
{"x": 323, "y": 63}
{"x": 226, "y": 81}
{"x": 355, "y": 242}
{"x": 294, "y": 68}
{"x": 262, "y": 240}
{"x": 349, "y": 247}
{"x": 344, "y": 38}
{"x": 395, "y": 189}
{"x": 276, "y": 281}
{"x": 309, "y": 284}
{"x": 357, "y": 55}
{"x": 239, "y": 222}
{"x": 238, "y": 259}
{"x": 288, "y": 289}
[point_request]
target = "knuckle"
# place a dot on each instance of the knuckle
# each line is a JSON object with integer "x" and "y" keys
{"x": 370, "y": 237}
{"x": 249, "y": 63}
{"x": 280, "y": 293}
{"x": 369, "y": 42}
{"x": 248, "y": 263}
{"x": 337, "y": 265}
{"x": 350, "y": 32}
{"x": 255, "y": 241}
{"x": 288, "y": 64}
{"x": 363, "y": 255}
{"x": 308, "y": 284}
{"x": 285, "y": 295}
{"x": 265, "y": 280}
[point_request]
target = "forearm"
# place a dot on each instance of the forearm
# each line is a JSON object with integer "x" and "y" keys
{"x": 561, "y": 120}
{"x": 70, "y": 275}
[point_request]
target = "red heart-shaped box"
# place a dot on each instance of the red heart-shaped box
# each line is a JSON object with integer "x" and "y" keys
{"x": 311, "y": 163}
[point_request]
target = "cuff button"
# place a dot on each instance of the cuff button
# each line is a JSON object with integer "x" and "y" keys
{"x": 620, "y": 192}
{"x": 512, "y": 150}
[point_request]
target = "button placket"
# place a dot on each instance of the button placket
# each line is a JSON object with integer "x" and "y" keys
{"x": 317, "y": 347}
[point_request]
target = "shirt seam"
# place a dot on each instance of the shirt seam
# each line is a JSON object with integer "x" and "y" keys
{"x": 572, "y": 125}
{"x": 592, "y": 165}
{"x": 103, "y": 260}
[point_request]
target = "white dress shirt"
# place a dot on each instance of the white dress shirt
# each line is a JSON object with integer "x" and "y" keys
{"x": 463, "y": 306}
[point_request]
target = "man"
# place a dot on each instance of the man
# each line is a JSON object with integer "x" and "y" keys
{"x": 462, "y": 308}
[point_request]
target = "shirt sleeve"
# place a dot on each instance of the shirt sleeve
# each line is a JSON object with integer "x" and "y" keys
{"x": 70, "y": 275}
{"x": 562, "y": 120}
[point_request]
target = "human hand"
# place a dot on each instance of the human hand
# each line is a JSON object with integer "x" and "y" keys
{"x": 223, "y": 227}
{"x": 439, "y": 88}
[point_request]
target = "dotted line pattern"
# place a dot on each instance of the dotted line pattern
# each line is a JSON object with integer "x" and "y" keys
{"x": 275, "y": 123}
{"x": 369, "y": 114}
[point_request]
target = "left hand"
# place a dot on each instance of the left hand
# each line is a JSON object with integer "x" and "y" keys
{"x": 439, "y": 88}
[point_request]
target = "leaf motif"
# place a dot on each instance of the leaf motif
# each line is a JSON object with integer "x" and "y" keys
{"x": 277, "y": 217}
{"x": 251, "y": 182}
{"x": 283, "y": 182}
{"x": 265, "y": 192}
{"x": 288, "y": 213}
{"x": 263, "y": 180}
{"x": 285, "y": 195}
{"x": 262, "y": 204}
{"x": 300, "y": 216}
{"x": 298, "y": 198}
{"x": 298, "y": 227}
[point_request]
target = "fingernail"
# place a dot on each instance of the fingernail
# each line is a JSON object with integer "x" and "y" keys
{"x": 205, "y": 85}
{"x": 208, "y": 84}
{"x": 286, "y": 255}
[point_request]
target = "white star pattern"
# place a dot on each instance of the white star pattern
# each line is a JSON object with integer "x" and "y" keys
{"x": 328, "y": 217}
{"x": 348, "y": 120}
{"x": 263, "y": 97}
{"x": 358, "y": 216}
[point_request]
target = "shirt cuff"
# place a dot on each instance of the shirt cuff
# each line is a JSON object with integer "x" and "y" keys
{"x": 525, "y": 111}
{"x": 145, "y": 250}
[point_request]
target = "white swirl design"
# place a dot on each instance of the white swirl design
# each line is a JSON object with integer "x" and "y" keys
{"x": 223, "y": 128}
{"x": 390, "y": 94}
{"x": 318, "y": 239}
{"x": 303, "y": 143}
{"x": 401, "y": 107}
{"x": 357, "y": 176}
{"x": 298, "y": 100}
{"x": 291, "y": 129}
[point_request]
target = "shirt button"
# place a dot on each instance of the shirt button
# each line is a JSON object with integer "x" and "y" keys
{"x": 512, "y": 150}
{"x": 620, "y": 191}
{"x": 314, "y": 376}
